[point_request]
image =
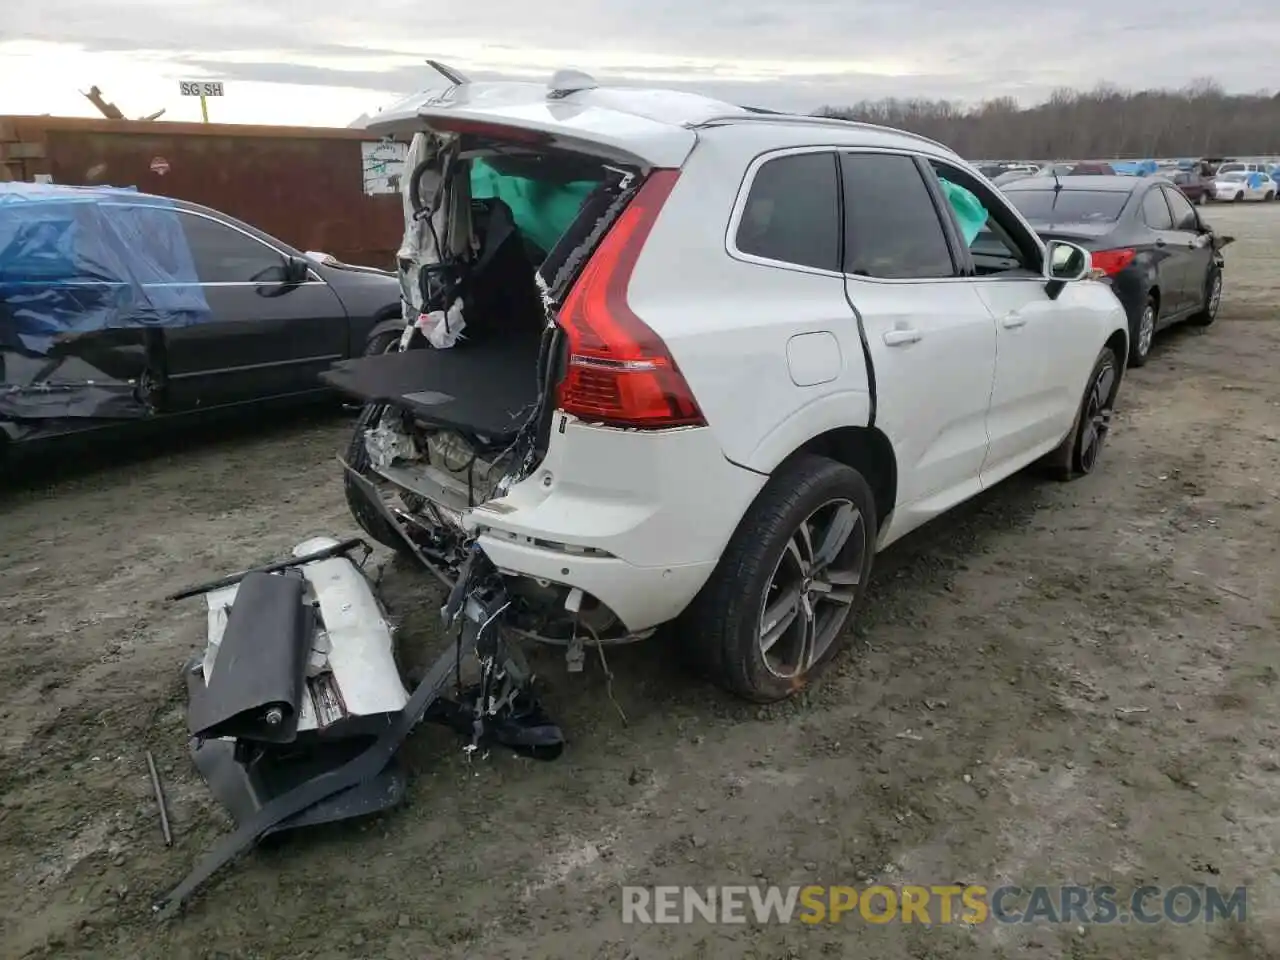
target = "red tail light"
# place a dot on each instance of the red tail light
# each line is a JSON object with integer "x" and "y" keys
{"x": 1112, "y": 262}
{"x": 620, "y": 372}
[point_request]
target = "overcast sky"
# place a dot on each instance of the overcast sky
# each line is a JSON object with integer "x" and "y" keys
{"x": 327, "y": 61}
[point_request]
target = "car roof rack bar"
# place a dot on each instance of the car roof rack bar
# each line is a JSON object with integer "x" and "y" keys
{"x": 757, "y": 114}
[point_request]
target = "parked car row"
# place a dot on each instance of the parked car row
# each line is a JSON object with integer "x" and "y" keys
{"x": 1226, "y": 181}
{"x": 1200, "y": 180}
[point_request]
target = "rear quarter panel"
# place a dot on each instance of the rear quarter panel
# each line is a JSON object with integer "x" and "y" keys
{"x": 728, "y": 322}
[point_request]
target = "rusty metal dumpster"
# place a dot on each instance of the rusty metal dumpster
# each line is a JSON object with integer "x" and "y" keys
{"x": 326, "y": 189}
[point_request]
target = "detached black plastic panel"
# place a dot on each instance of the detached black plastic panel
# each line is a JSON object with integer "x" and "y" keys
{"x": 486, "y": 390}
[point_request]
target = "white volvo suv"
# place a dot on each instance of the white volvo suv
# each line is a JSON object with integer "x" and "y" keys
{"x": 672, "y": 361}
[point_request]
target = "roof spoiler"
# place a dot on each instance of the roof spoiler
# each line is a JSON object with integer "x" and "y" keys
{"x": 453, "y": 76}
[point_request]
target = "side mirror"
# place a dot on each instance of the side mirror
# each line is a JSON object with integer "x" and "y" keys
{"x": 296, "y": 270}
{"x": 1066, "y": 262}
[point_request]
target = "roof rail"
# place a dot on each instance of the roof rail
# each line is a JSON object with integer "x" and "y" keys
{"x": 757, "y": 115}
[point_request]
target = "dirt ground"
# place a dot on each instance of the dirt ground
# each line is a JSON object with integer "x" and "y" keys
{"x": 1058, "y": 684}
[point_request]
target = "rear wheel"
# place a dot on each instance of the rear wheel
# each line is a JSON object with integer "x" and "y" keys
{"x": 1143, "y": 332}
{"x": 1238, "y": 197}
{"x": 1269, "y": 196}
{"x": 1212, "y": 299}
{"x": 775, "y": 611}
{"x": 385, "y": 342}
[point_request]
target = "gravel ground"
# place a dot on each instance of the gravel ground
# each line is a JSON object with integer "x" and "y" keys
{"x": 1057, "y": 684}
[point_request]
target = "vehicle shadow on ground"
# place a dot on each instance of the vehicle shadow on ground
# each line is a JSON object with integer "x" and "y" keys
{"x": 925, "y": 560}
{"x": 648, "y": 678}
{"x": 157, "y": 446}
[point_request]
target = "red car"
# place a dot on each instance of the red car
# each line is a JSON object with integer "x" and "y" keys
{"x": 1196, "y": 188}
{"x": 1076, "y": 168}
{"x": 1092, "y": 168}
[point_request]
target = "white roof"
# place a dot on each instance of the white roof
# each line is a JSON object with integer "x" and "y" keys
{"x": 651, "y": 125}
{"x": 654, "y": 126}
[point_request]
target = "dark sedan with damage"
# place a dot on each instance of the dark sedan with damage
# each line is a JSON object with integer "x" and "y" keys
{"x": 1163, "y": 259}
{"x": 120, "y": 310}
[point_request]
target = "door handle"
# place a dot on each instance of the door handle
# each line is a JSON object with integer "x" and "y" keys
{"x": 1011, "y": 320}
{"x": 900, "y": 335}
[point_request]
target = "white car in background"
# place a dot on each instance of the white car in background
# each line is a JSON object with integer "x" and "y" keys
{"x": 1235, "y": 185}
{"x": 1242, "y": 166}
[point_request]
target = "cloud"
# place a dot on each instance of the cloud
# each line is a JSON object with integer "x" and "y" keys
{"x": 786, "y": 56}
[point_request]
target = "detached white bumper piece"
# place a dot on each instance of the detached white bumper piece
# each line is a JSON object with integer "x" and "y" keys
{"x": 350, "y": 670}
{"x": 298, "y": 676}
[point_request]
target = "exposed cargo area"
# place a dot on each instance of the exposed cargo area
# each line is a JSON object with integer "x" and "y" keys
{"x": 500, "y": 225}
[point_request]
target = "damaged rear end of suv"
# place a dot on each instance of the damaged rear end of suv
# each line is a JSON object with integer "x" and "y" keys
{"x": 504, "y": 423}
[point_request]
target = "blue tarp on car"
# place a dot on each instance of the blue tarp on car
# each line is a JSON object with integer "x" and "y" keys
{"x": 77, "y": 260}
{"x": 1135, "y": 168}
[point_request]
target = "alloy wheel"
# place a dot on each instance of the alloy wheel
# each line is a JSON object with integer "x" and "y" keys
{"x": 1146, "y": 329}
{"x": 1097, "y": 417}
{"x": 1215, "y": 296}
{"x": 813, "y": 587}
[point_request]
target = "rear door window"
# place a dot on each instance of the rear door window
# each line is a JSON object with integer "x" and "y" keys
{"x": 1155, "y": 211}
{"x": 792, "y": 213}
{"x": 1184, "y": 215}
{"x": 893, "y": 230}
{"x": 223, "y": 254}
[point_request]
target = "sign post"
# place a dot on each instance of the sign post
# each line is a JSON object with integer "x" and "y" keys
{"x": 202, "y": 89}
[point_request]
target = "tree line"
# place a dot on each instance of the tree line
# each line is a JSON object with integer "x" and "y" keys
{"x": 1200, "y": 120}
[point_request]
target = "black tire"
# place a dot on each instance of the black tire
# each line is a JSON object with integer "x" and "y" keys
{"x": 1078, "y": 454}
{"x": 723, "y": 630}
{"x": 1212, "y": 300}
{"x": 1140, "y": 344}
{"x": 368, "y": 519}
{"x": 1238, "y": 197}
{"x": 1202, "y": 199}
{"x": 385, "y": 342}
{"x": 1268, "y": 196}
